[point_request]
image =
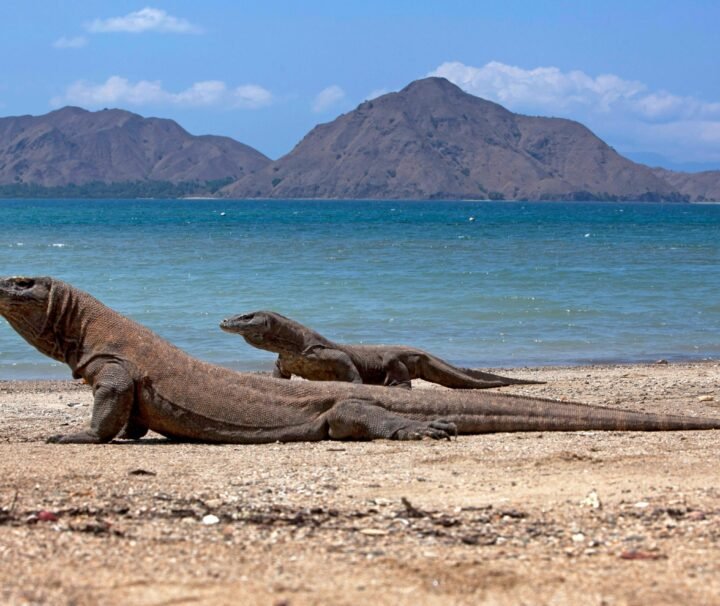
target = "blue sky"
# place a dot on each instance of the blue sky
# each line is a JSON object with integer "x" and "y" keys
{"x": 643, "y": 75}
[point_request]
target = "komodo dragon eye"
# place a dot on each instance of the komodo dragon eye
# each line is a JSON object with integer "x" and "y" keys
{"x": 24, "y": 283}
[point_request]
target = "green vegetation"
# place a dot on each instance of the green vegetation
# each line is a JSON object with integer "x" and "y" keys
{"x": 122, "y": 189}
{"x": 586, "y": 196}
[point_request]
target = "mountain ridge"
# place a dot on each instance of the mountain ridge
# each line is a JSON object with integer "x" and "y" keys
{"x": 75, "y": 146}
{"x": 430, "y": 140}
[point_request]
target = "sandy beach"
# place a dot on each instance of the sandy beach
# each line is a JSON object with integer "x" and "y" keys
{"x": 536, "y": 518}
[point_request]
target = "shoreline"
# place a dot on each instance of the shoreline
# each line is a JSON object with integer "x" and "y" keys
{"x": 499, "y": 369}
{"x": 661, "y": 386}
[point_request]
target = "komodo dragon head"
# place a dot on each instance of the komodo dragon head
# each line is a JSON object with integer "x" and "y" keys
{"x": 254, "y": 327}
{"x": 25, "y": 304}
{"x": 267, "y": 330}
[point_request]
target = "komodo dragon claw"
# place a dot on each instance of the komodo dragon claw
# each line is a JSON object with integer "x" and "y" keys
{"x": 436, "y": 430}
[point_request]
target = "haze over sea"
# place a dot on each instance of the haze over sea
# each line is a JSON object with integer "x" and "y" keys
{"x": 477, "y": 283}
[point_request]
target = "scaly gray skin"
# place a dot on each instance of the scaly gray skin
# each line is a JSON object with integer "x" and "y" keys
{"x": 306, "y": 353}
{"x": 142, "y": 382}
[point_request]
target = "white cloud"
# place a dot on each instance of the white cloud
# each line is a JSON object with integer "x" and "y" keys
{"x": 252, "y": 96}
{"x": 208, "y": 92}
{"x": 74, "y": 42}
{"x": 145, "y": 20}
{"x": 328, "y": 97}
{"x": 117, "y": 91}
{"x": 374, "y": 94}
{"x": 114, "y": 90}
{"x": 543, "y": 87}
{"x": 623, "y": 112}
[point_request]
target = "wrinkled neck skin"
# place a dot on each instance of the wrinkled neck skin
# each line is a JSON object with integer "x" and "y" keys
{"x": 31, "y": 324}
{"x": 285, "y": 336}
{"x": 56, "y": 331}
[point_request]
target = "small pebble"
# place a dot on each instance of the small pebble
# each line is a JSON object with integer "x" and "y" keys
{"x": 46, "y": 516}
{"x": 592, "y": 500}
{"x": 695, "y": 516}
{"x": 228, "y": 531}
{"x": 638, "y": 554}
{"x": 210, "y": 519}
{"x": 373, "y": 532}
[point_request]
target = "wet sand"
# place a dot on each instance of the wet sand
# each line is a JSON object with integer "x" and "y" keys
{"x": 536, "y": 518}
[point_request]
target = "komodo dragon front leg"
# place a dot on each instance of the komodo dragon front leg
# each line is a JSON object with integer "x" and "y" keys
{"x": 113, "y": 392}
{"x": 358, "y": 419}
{"x": 279, "y": 372}
{"x": 326, "y": 363}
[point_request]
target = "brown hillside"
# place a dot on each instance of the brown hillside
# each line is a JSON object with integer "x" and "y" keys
{"x": 72, "y": 145}
{"x": 431, "y": 140}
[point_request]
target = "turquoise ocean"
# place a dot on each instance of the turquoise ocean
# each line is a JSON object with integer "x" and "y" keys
{"x": 477, "y": 283}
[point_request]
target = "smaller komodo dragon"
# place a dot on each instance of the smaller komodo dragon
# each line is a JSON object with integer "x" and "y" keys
{"x": 306, "y": 353}
{"x": 142, "y": 382}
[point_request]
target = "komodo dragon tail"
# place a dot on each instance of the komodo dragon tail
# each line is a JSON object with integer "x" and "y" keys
{"x": 439, "y": 371}
{"x": 488, "y": 376}
{"x": 508, "y": 413}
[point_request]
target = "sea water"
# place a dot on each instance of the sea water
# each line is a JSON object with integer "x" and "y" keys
{"x": 477, "y": 283}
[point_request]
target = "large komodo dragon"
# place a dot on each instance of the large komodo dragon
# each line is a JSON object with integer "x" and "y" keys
{"x": 141, "y": 382}
{"x": 306, "y": 353}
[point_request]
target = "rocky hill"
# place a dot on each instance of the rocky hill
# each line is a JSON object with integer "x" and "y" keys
{"x": 431, "y": 140}
{"x": 697, "y": 187}
{"x": 72, "y": 145}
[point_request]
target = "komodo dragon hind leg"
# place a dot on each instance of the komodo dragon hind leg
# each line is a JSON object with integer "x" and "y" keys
{"x": 396, "y": 373}
{"x": 113, "y": 401}
{"x": 365, "y": 420}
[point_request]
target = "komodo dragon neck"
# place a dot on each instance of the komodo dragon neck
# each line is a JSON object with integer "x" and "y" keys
{"x": 286, "y": 336}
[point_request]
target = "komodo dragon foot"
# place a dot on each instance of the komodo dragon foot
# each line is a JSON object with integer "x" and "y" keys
{"x": 81, "y": 437}
{"x": 360, "y": 419}
{"x": 437, "y": 430}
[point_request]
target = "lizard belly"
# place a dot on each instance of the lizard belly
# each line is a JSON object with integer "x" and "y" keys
{"x": 172, "y": 421}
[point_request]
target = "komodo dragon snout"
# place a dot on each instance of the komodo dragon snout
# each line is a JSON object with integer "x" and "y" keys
{"x": 251, "y": 323}
{"x": 25, "y": 300}
{"x": 19, "y": 290}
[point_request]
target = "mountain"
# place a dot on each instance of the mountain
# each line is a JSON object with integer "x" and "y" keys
{"x": 431, "y": 140}
{"x": 72, "y": 145}
{"x": 698, "y": 187}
